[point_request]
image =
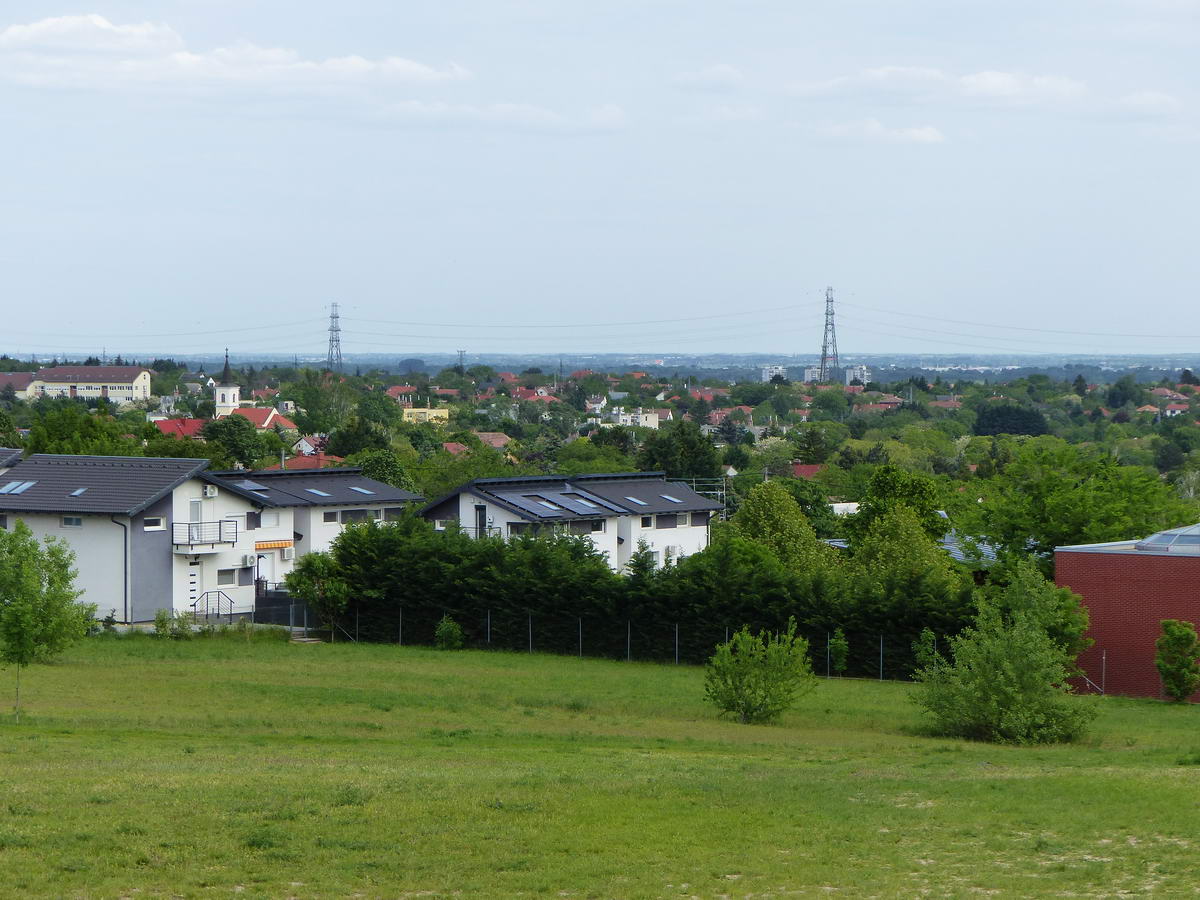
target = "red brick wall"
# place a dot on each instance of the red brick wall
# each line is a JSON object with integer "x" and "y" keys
{"x": 1127, "y": 596}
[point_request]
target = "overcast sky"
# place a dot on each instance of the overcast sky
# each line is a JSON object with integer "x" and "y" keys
{"x": 610, "y": 175}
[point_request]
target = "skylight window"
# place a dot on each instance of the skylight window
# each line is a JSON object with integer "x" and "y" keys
{"x": 22, "y": 487}
{"x": 544, "y": 502}
{"x": 636, "y": 500}
{"x": 362, "y": 490}
{"x": 319, "y": 493}
{"x": 78, "y": 492}
{"x": 582, "y": 501}
{"x": 669, "y": 497}
{"x": 8, "y": 488}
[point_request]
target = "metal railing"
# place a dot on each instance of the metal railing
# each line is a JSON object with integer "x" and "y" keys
{"x": 213, "y": 604}
{"x": 221, "y": 532}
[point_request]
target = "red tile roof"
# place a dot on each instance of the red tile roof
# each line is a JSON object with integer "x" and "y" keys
{"x": 265, "y": 394}
{"x": 314, "y": 461}
{"x": 806, "y": 470}
{"x": 497, "y": 439}
{"x": 264, "y": 417}
{"x": 399, "y": 390}
{"x": 19, "y": 380}
{"x": 182, "y": 428}
{"x": 454, "y": 448}
{"x": 946, "y": 404}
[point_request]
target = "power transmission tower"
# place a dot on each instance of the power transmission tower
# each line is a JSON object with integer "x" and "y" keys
{"x": 333, "y": 362}
{"x": 462, "y": 356}
{"x": 829, "y": 355}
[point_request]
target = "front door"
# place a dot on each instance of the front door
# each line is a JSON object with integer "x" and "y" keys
{"x": 195, "y": 582}
{"x": 195, "y": 517}
{"x": 480, "y": 521}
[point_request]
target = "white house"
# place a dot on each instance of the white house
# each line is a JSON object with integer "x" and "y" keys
{"x": 152, "y": 534}
{"x": 615, "y": 512}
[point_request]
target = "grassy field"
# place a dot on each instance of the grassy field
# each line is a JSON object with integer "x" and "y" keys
{"x": 148, "y": 768}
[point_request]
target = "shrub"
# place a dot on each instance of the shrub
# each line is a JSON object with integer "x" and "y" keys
{"x": 1006, "y": 681}
{"x": 162, "y": 623}
{"x": 1176, "y": 659}
{"x": 181, "y": 626}
{"x": 448, "y": 635}
{"x": 755, "y": 677}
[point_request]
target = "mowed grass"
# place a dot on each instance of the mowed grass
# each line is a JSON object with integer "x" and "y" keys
{"x": 148, "y": 768}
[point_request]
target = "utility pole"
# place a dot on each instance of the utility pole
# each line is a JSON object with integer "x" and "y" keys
{"x": 333, "y": 361}
{"x": 829, "y": 353}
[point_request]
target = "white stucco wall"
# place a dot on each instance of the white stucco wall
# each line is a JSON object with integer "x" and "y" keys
{"x": 99, "y": 547}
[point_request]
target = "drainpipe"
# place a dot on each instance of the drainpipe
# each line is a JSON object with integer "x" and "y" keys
{"x": 125, "y": 564}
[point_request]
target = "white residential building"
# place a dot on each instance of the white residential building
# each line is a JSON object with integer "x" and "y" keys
{"x": 860, "y": 374}
{"x": 615, "y": 512}
{"x": 769, "y": 372}
{"x": 152, "y": 534}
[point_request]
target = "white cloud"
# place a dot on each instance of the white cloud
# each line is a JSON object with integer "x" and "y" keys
{"x": 924, "y": 84}
{"x": 875, "y": 131}
{"x": 90, "y": 33}
{"x": 516, "y": 115}
{"x": 721, "y": 77}
{"x": 1150, "y": 103}
{"x": 91, "y": 52}
{"x": 1016, "y": 87}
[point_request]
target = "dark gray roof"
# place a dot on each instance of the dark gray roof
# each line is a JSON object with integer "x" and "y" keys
{"x": 553, "y": 498}
{"x": 123, "y": 485}
{"x": 960, "y": 547}
{"x": 309, "y": 487}
{"x": 9, "y": 457}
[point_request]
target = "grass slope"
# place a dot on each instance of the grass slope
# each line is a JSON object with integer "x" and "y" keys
{"x": 276, "y": 770}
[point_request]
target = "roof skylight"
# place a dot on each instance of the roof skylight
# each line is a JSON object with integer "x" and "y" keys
{"x": 669, "y": 497}
{"x": 636, "y": 500}
{"x": 362, "y": 490}
{"x": 22, "y": 487}
{"x": 319, "y": 493}
{"x": 78, "y": 492}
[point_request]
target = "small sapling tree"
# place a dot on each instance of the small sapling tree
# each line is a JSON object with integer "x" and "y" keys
{"x": 39, "y": 617}
{"x": 318, "y": 581}
{"x": 1176, "y": 659}
{"x": 755, "y": 677}
{"x": 448, "y": 635}
{"x": 839, "y": 651}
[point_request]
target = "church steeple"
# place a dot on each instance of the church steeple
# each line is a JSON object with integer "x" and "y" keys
{"x": 227, "y": 394}
{"x": 226, "y": 373}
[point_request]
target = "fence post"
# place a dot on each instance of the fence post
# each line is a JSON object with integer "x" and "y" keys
{"x": 531, "y": 633}
{"x": 581, "y": 637}
{"x": 489, "y": 627}
{"x": 628, "y": 641}
{"x": 881, "y": 657}
{"x": 1103, "y": 670}
{"x": 356, "y": 624}
{"x": 827, "y": 655}
{"x": 676, "y": 643}
{"x": 402, "y": 626}
{"x": 306, "y": 620}
{"x": 291, "y": 617}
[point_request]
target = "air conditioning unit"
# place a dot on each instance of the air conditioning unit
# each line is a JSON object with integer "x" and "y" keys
{"x": 288, "y": 553}
{"x": 210, "y": 490}
{"x": 250, "y": 559}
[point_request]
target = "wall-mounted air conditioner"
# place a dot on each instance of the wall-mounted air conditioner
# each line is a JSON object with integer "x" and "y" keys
{"x": 210, "y": 490}
{"x": 289, "y": 553}
{"x": 250, "y": 559}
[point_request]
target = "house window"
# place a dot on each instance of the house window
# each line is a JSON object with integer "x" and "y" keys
{"x": 647, "y": 521}
{"x": 154, "y": 523}
{"x": 441, "y": 524}
{"x": 3, "y": 523}
{"x": 518, "y": 528}
{"x": 587, "y": 526}
{"x": 667, "y": 520}
{"x": 700, "y": 518}
{"x": 393, "y": 513}
{"x": 329, "y": 516}
{"x": 268, "y": 519}
{"x": 226, "y": 576}
{"x": 354, "y": 515}
{"x": 72, "y": 521}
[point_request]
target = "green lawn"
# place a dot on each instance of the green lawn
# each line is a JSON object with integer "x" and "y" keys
{"x": 148, "y": 768}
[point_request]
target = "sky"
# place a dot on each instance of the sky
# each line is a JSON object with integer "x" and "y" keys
{"x": 670, "y": 176}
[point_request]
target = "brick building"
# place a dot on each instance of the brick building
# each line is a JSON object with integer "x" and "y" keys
{"x": 1129, "y": 587}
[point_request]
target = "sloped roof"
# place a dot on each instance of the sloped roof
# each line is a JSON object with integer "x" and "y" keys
{"x": 9, "y": 456}
{"x": 90, "y": 373}
{"x": 553, "y": 498}
{"x": 18, "y": 380}
{"x": 497, "y": 439}
{"x": 318, "y": 460}
{"x": 262, "y": 417}
{"x": 123, "y": 485}
{"x": 183, "y": 428}
{"x": 313, "y": 487}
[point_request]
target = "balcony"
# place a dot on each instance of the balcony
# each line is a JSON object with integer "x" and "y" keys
{"x": 203, "y": 537}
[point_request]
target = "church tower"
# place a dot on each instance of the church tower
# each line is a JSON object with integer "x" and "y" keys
{"x": 226, "y": 392}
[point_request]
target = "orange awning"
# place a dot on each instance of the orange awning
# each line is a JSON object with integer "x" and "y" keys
{"x": 271, "y": 545}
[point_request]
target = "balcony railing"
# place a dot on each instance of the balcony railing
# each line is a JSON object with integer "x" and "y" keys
{"x": 222, "y": 532}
